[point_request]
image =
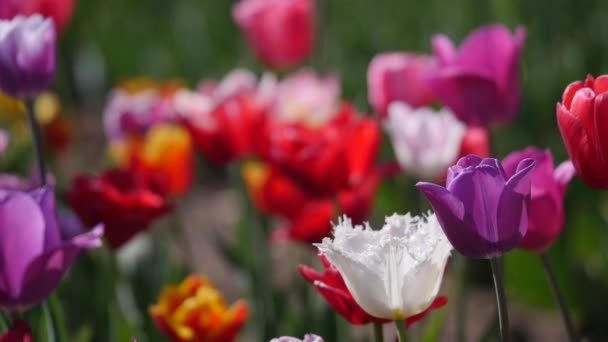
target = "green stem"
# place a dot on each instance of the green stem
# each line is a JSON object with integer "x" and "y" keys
{"x": 462, "y": 265}
{"x": 558, "y": 296}
{"x": 501, "y": 301}
{"x": 50, "y": 324}
{"x": 401, "y": 330}
{"x": 378, "y": 332}
{"x": 5, "y": 323}
{"x": 37, "y": 140}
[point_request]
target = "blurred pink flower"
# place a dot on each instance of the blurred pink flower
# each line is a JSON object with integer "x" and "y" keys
{"x": 281, "y": 32}
{"x": 59, "y": 10}
{"x": 480, "y": 81}
{"x": 398, "y": 76}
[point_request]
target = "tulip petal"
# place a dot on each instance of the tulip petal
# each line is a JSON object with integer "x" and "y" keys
{"x": 443, "y": 49}
{"x": 571, "y": 89}
{"x": 22, "y": 231}
{"x": 580, "y": 148}
{"x": 600, "y": 125}
{"x": 46, "y": 198}
{"x": 513, "y": 208}
{"x": 439, "y": 302}
{"x": 469, "y": 95}
{"x": 563, "y": 174}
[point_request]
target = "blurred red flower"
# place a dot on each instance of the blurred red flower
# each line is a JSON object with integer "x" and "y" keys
{"x": 331, "y": 286}
{"x": 122, "y": 200}
{"x": 19, "y": 332}
{"x": 281, "y": 32}
{"x": 313, "y": 173}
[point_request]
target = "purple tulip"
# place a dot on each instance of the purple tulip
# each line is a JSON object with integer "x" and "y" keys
{"x": 483, "y": 213}
{"x": 547, "y": 197}
{"x": 479, "y": 82}
{"x": 33, "y": 256}
{"x": 27, "y": 55}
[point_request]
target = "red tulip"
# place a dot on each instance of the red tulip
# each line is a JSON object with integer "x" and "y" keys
{"x": 398, "y": 76}
{"x": 582, "y": 119}
{"x": 332, "y": 287}
{"x": 59, "y": 10}
{"x": 281, "y": 32}
{"x": 125, "y": 203}
{"x": 476, "y": 140}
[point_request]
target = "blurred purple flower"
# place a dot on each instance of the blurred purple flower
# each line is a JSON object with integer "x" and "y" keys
{"x": 546, "y": 219}
{"x": 483, "y": 213}
{"x": 27, "y": 55}
{"x": 480, "y": 82}
{"x": 33, "y": 256}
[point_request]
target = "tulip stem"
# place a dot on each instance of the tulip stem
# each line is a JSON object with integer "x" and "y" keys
{"x": 5, "y": 323}
{"x": 501, "y": 300}
{"x": 37, "y": 139}
{"x": 378, "y": 332}
{"x": 401, "y": 330}
{"x": 50, "y": 324}
{"x": 558, "y": 296}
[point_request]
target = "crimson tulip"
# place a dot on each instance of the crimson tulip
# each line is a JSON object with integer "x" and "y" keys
{"x": 125, "y": 203}
{"x": 581, "y": 117}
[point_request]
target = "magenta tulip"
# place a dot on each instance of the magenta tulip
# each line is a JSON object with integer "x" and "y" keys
{"x": 480, "y": 81}
{"x": 546, "y": 219}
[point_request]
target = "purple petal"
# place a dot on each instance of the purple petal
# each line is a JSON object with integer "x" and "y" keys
{"x": 46, "y": 199}
{"x": 462, "y": 164}
{"x": 512, "y": 216}
{"x": 474, "y": 98}
{"x": 21, "y": 239}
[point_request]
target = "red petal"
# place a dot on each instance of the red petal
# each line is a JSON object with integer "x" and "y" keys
{"x": 19, "y": 332}
{"x": 571, "y": 89}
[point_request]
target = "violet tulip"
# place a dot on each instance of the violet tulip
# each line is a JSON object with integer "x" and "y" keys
{"x": 307, "y": 338}
{"x": 483, "y": 212}
{"x": 546, "y": 218}
{"x": 480, "y": 81}
{"x": 281, "y": 32}
{"x": 27, "y": 55}
{"x": 398, "y": 76}
{"x": 33, "y": 255}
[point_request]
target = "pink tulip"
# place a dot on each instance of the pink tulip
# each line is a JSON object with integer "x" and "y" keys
{"x": 479, "y": 81}
{"x": 398, "y": 76}
{"x": 281, "y": 32}
{"x": 546, "y": 218}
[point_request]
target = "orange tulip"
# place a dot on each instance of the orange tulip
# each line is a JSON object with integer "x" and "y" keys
{"x": 194, "y": 311}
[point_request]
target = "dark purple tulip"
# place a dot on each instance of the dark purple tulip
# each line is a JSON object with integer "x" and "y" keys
{"x": 483, "y": 213}
{"x": 546, "y": 219}
{"x": 33, "y": 256}
{"x": 27, "y": 55}
{"x": 480, "y": 81}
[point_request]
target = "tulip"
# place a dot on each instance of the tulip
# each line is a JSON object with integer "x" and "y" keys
{"x": 58, "y": 10}
{"x": 426, "y": 142}
{"x": 30, "y": 238}
{"x": 479, "y": 82}
{"x": 123, "y": 202}
{"x": 195, "y": 311}
{"x": 580, "y": 118}
{"x": 281, "y": 32}
{"x": 4, "y": 141}
{"x": 395, "y": 272}
{"x": 546, "y": 219}
{"x": 331, "y": 286}
{"x": 19, "y": 332}
{"x": 27, "y": 63}
{"x": 483, "y": 212}
{"x": 163, "y": 155}
{"x": 138, "y": 105}
{"x": 306, "y": 98}
{"x": 398, "y": 76}
{"x": 307, "y": 338}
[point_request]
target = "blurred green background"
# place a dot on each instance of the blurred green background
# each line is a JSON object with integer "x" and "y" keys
{"x": 112, "y": 40}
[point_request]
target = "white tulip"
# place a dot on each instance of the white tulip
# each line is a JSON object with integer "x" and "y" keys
{"x": 426, "y": 142}
{"x": 394, "y": 272}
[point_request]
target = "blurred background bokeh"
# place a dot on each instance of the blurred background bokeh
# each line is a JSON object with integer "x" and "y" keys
{"x": 114, "y": 40}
